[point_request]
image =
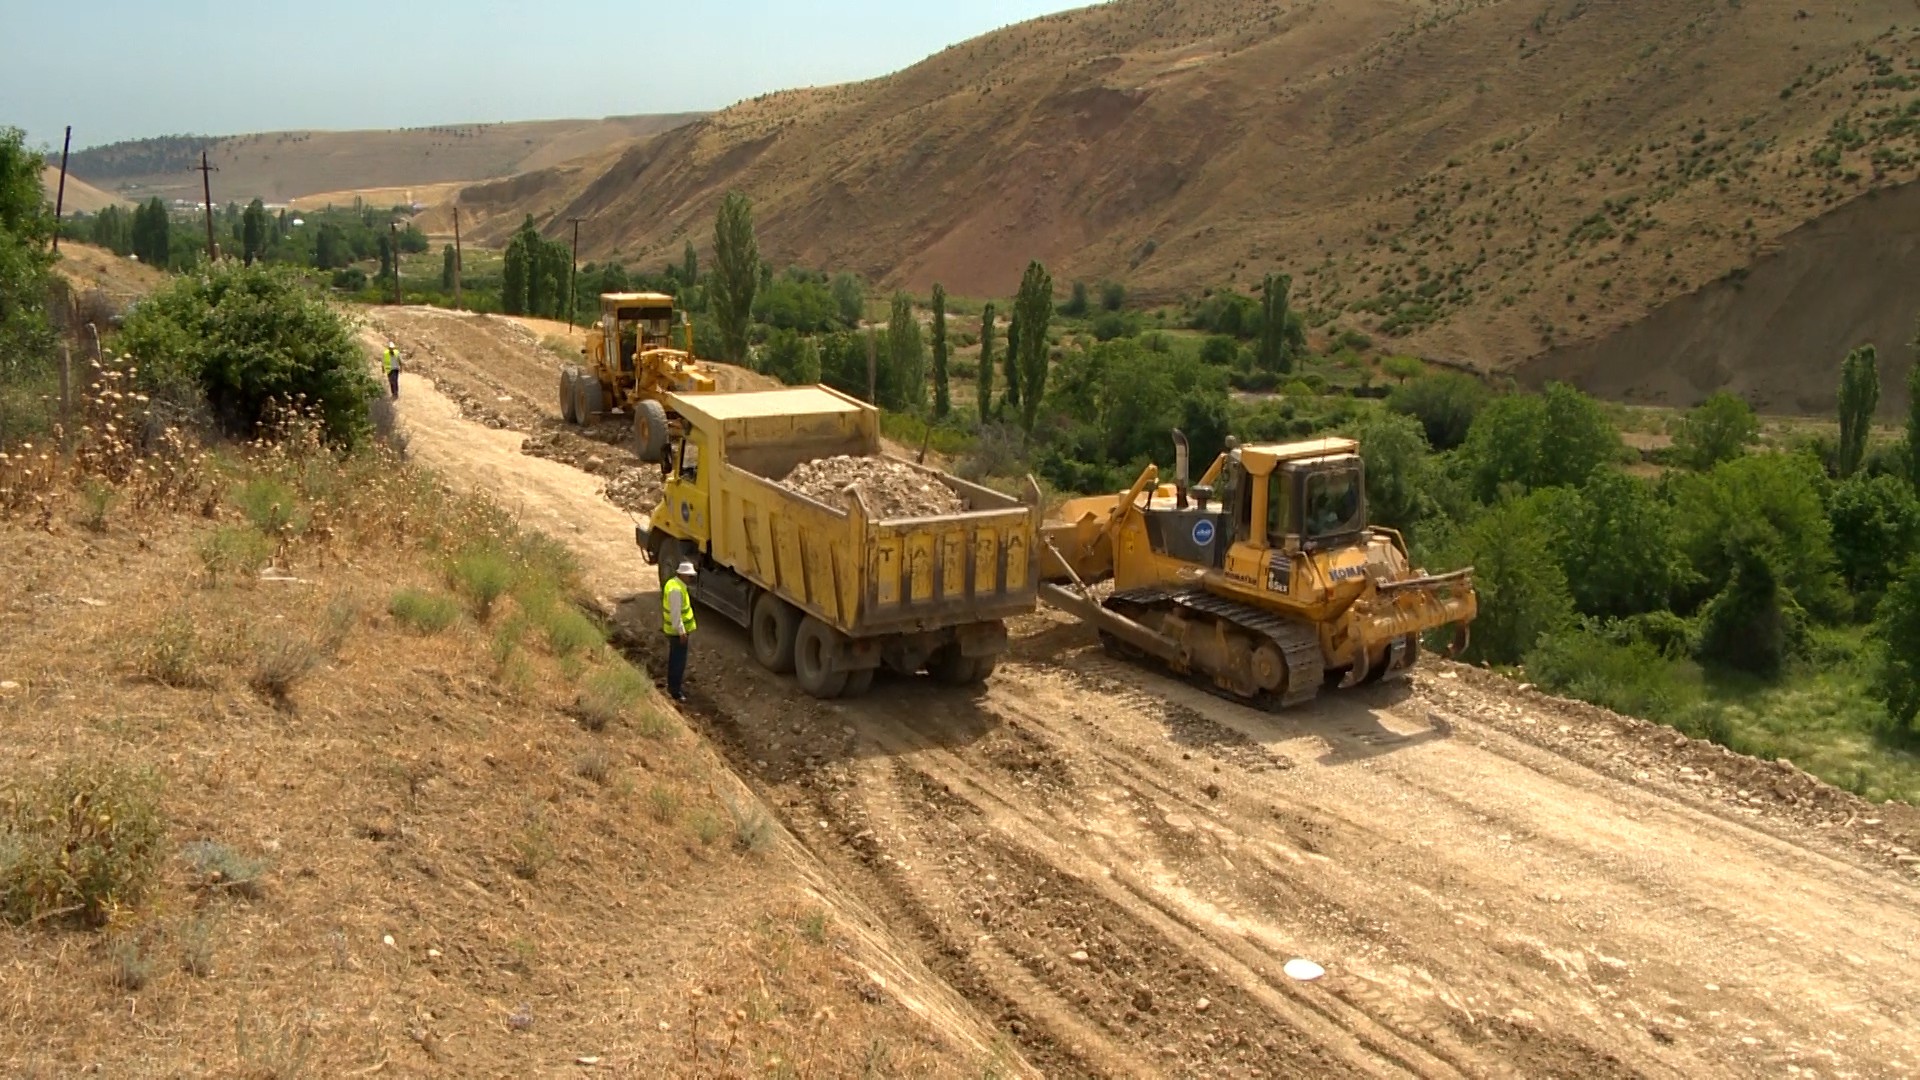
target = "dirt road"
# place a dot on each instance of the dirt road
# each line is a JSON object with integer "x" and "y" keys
{"x": 1114, "y": 867}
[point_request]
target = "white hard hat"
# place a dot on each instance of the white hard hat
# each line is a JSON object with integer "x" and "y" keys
{"x": 685, "y": 569}
{"x": 391, "y": 345}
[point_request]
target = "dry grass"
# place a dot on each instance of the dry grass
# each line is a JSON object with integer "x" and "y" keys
{"x": 417, "y": 833}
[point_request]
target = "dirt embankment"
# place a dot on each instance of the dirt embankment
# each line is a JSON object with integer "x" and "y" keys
{"x": 1115, "y": 868}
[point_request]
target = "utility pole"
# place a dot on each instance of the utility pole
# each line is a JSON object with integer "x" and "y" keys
{"x": 456, "y": 258}
{"x": 873, "y": 367}
{"x": 206, "y": 191}
{"x": 60, "y": 200}
{"x": 393, "y": 249}
{"x": 573, "y": 276}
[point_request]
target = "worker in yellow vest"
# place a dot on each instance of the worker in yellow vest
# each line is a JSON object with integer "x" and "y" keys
{"x": 391, "y": 364}
{"x": 676, "y": 621}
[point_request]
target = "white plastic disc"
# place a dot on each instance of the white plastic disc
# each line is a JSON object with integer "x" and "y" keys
{"x": 1303, "y": 970}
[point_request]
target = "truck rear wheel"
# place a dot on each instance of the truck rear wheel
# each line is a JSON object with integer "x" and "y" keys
{"x": 649, "y": 430}
{"x": 813, "y": 648}
{"x": 859, "y": 682}
{"x": 775, "y": 624}
{"x": 566, "y": 394}
{"x": 955, "y": 668}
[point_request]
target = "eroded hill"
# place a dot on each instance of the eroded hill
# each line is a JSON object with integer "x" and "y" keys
{"x": 1485, "y": 179}
{"x": 282, "y": 165}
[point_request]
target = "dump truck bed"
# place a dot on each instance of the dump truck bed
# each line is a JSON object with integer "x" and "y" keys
{"x": 834, "y": 558}
{"x": 867, "y": 576}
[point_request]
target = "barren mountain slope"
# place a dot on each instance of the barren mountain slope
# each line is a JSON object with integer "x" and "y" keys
{"x": 282, "y": 165}
{"x": 1487, "y": 178}
{"x": 79, "y": 194}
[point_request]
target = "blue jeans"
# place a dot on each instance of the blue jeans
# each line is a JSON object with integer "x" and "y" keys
{"x": 393, "y": 381}
{"x": 677, "y": 666}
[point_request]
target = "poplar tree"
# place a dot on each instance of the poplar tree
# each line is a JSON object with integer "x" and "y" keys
{"x": 1859, "y": 397}
{"x": 736, "y": 274}
{"x": 942, "y": 399}
{"x": 1281, "y": 336}
{"x": 986, "y": 364}
{"x": 1034, "y": 310}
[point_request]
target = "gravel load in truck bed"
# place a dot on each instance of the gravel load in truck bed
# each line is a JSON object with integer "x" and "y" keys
{"x": 892, "y": 489}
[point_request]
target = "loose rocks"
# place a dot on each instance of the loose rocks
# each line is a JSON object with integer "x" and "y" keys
{"x": 892, "y": 489}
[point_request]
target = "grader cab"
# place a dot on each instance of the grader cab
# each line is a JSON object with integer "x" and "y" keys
{"x": 631, "y": 366}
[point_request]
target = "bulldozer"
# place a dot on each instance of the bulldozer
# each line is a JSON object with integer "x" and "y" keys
{"x": 631, "y": 366}
{"x": 1264, "y": 582}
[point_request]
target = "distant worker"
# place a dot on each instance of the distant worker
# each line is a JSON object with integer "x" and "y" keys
{"x": 391, "y": 361}
{"x": 676, "y": 621}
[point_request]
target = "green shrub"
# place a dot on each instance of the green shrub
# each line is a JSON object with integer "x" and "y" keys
{"x": 1896, "y": 679}
{"x": 198, "y": 943}
{"x": 279, "y": 662}
{"x": 483, "y": 576}
{"x": 244, "y": 339}
{"x": 129, "y": 963}
{"x": 98, "y": 497}
{"x": 272, "y": 507}
{"x": 1633, "y": 679}
{"x": 424, "y": 612}
{"x": 707, "y": 826}
{"x": 1523, "y": 592}
{"x": 1754, "y": 624}
{"x": 217, "y": 866}
{"x": 532, "y": 848}
{"x": 85, "y": 841}
{"x": 752, "y": 829}
{"x": 172, "y": 656}
{"x": 1446, "y": 404}
{"x": 237, "y": 550}
{"x": 609, "y": 695}
{"x": 570, "y": 632}
{"x": 663, "y": 803}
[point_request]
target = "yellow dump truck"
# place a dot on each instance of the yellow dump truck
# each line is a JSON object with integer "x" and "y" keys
{"x": 828, "y": 589}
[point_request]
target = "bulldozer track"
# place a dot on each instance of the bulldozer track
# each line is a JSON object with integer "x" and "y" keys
{"x": 1297, "y": 641}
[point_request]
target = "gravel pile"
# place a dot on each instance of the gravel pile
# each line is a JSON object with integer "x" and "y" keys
{"x": 637, "y": 491}
{"x": 892, "y": 489}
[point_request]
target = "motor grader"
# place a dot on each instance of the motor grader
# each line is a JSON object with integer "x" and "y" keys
{"x": 631, "y": 366}
{"x": 1263, "y": 581}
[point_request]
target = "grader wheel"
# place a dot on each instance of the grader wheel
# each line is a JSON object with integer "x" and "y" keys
{"x": 567, "y": 394}
{"x": 649, "y": 430}
{"x": 589, "y": 399}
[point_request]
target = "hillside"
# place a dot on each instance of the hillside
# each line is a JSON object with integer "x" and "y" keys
{"x": 280, "y": 166}
{"x": 1482, "y": 179}
{"x": 80, "y": 195}
{"x": 1773, "y": 332}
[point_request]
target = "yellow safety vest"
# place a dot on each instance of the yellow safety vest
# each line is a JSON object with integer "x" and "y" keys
{"x": 393, "y": 359}
{"x": 675, "y": 585}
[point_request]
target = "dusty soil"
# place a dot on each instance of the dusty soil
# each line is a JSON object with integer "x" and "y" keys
{"x": 1113, "y": 867}
{"x": 451, "y": 876}
{"x": 890, "y": 489}
{"x": 88, "y": 268}
{"x": 504, "y": 373}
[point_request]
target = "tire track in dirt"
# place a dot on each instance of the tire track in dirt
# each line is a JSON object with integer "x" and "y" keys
{"x": 1498, "y": 884}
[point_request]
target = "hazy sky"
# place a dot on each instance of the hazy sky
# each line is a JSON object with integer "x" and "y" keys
{"x": 121, "y": 69}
